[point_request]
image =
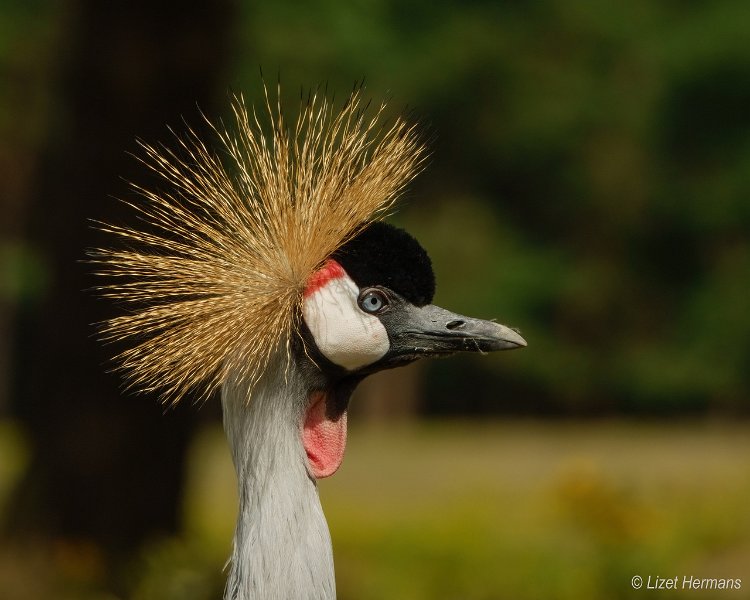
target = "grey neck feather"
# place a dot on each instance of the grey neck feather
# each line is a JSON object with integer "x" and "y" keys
{"x": 282, "y": 547}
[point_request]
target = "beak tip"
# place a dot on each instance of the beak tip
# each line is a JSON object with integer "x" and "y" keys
{"x": 510, "y": 338}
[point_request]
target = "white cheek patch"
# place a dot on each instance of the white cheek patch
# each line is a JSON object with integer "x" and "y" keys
{"x": 344, "y": 334}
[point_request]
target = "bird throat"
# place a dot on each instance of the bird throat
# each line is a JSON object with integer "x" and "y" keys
{"x": 324, "y": 434}
{"x": 282, "y": 548}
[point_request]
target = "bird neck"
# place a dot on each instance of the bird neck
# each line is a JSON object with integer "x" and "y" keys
{"x": 282, "y": 547}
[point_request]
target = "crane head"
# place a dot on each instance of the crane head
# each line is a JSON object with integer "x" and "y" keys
{"x": 368, "y": 309}
{"x": 272, "y": 250}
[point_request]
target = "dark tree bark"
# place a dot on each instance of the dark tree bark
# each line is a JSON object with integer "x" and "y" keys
{"x": 107, "y": 466}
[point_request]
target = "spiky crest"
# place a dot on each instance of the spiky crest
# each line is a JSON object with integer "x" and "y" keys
{"x": 214, "y": 282}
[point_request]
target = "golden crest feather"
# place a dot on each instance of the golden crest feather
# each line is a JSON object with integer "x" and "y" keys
{"x": 214, "y": 282}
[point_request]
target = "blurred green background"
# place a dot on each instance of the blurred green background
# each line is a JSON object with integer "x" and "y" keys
{"x": 589, "y": 183}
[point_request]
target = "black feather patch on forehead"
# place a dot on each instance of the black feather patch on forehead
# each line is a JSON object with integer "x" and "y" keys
{"x": 384, "y": 255}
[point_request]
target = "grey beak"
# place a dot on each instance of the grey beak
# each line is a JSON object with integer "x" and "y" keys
{"x": 429, "y": 330}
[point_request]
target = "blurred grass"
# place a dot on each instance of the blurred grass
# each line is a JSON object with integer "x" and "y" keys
{"x": 504, "y": 510}
{"x": 538, "y": 510}
{"x": 470, "y": 510}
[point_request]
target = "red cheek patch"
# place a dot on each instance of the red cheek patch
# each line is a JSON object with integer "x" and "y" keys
{"x": 330, "y": 270}
{"x": 323, "y": 438}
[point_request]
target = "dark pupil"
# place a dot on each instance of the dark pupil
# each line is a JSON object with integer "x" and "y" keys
{"x": 372, "y": 302}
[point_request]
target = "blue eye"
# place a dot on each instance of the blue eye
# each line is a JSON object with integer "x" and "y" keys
{"x": 372, "y": 301}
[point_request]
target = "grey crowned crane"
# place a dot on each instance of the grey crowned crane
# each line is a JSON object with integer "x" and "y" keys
{"x": 267, "y": 273}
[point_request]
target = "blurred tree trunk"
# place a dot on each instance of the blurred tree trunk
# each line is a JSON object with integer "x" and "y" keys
{"x": 107, "y": 467}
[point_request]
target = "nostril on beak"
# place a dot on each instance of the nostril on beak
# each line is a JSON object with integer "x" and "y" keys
{"x": 455, "y": 324}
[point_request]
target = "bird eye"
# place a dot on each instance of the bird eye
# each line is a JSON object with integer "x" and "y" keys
{"x": 372, "y": 301}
